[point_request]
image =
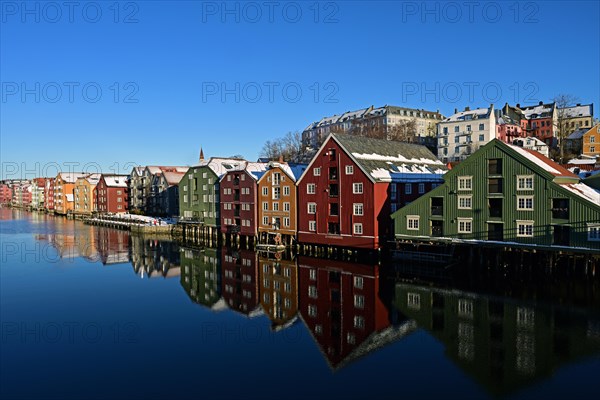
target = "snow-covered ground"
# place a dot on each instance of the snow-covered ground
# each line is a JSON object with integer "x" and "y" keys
{"x": 138, "y": 219}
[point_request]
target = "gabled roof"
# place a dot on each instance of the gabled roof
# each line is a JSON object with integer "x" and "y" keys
{"x": 156, "y": 169}
{"x": 385, "y": 160}
{"x": 93, "y": 179}
{"x": 220, "y": 165}
{"x": 255, "y": 169}
{"x": 173, "y": 178}
{"x": 71, "y": 177}
{"x": 578, "y": 134}
{"x": 115, "y": 180}
{"x": 293, "y": 170}
{"x": 477, "y": 113}
{"x": 578, "y": 111}
{"x": 543, "y": 162}
{"x": 539, "y": 110}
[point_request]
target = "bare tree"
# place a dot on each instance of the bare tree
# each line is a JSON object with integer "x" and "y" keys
{"x": 289, "y": 147}
{"x": 561, "y": 102}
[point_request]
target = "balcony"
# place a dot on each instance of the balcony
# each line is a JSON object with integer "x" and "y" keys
{"x": 333, "y": 190}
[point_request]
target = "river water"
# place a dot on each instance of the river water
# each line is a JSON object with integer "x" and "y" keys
{"x": 89, "y": 312}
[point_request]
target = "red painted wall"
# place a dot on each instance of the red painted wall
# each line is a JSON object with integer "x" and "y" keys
{"x": 247, "y": 182}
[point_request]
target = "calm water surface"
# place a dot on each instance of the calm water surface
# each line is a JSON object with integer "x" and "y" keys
{"x": 91, "y": 312}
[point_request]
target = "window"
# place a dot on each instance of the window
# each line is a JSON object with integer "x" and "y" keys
{"x": 358, "y": 209}
{"x": 524, "y": 182}
{"x": 421, "y": 188}
{"x": 310, "y": 188}
{"x": 286, "y": 190}
{"x": 495, "y": 166}
{"x": 312, "y": 292}
{"x": 465, "y": 183}
{"x": 408, "y": 188}
{"x": 312, "y": 208}
{"x": 445, "y": 130}
{"x": 357, "y": 188}
{"x": 481, "y": 138}
{"x": 312, "y": 310}
{"x": 592, "y": 139}
{"x": 359, "y": 301}
{"x": 312, "y": 226}
{"x": 349, "y": 169}
{"x": 286, "y": 222}
{"x": 465, "y": 202}
{"x": 481, "y": 127}
{"x": 275, "y": 206}
{"x": 465, "y": 308}
{"x": 525, "y": 203}
{"x": 412, "y": 222}
{"x": 359, "y": 321}
{"x": 592, "y": 149}
{"x": 358, "y": 229}
{"x": 358, "y": 282}
{"x": 456, "y": 129}
{"x": 312, "y": 274}
{"x": 276, "y": 193}
{"x": 276, "y": 178}
{"x": 265, "y": 205}
{"x": 265, "y": 191}
{"x": 594, "y": 232}
{"x": 286, "y": 206}
{"x": 524, "y": 228}
{"x": 317, "y": 171}
{"x": 413, "y": 301}
{"x": 457, "y": 139}
{"x": 465, "y": 225}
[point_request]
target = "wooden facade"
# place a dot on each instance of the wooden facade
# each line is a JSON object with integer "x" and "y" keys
{"x": 344, "y": 195}
{"x": 239, "y": 283}
{"x": 508, "y": 194}
{"x": 64, "y": 192}
{"x": 591, "y": 142}
{"x": 85, "y": 194}
{"x": 112, "y": 194}
{"x": 277, "y": 198}
{"x": 278, "y": 288}
{"x": 201, "y": 275}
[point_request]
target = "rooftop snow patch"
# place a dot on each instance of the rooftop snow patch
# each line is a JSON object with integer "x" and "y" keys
{"x": 399, "y": 158}
{"x": 584, "y": 191}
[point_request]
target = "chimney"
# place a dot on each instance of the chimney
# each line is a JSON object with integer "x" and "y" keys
{"x": 467, "y": 108}
{"x": 541, "y": 103}
{"x": 455, "y": 110}
{"x": 281, "y": 159}
{"x": 518, "y": 105}
{"x": 578, "y": 104}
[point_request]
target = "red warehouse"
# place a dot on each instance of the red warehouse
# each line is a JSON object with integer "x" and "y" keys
{"x": 112, "y": 194}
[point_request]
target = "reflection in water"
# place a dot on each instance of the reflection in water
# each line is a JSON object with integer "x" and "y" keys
{"x": 502, "y": 343}
{"x": 503, "y": 337}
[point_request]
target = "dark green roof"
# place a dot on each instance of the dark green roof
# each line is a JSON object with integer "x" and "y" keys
{"x": 387, "y": 155}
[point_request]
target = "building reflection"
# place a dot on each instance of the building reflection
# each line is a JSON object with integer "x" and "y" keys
{"x": 341, "y": 306}
{"x": 240, "y": 281}
{"x": 201, "y": 276}
{"x": 278, "y": 288}
{"x": 154, "y": 258}
{"x": 502, "y": 343}
{"x": 113, "y": 245}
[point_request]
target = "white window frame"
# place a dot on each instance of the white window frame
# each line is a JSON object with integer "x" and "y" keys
{"x": 524, "y": 200}
{"x": 349, "y": 169}
{"x": 357, "y": 188}
{"x": 464, "y": 222}
{"x": 525, "y": 224}
{"x": 421, "y": 188}
{"x": 358, "y": 209}
{"x": 357, "y": 228}
{"x": 311, "y": 208}
{"x": 311, "y": 188}
{"x": 594, "y": 232}
{"x": 286, "y": 206}
{"x": 265, "y": 191}
{"x": 408, "y": 188}
{"x": 525, "y": 178}
{"x": 312, "y": 226}
{"x": 470, "y": 201}
{"x": 286, "y": 190}
{"x": 464, "y": 180}
{"x": 410, "y": 222}
{"x": 317, "y": 171}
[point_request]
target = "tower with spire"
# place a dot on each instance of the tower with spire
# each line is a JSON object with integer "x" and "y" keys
{"x": 201, "y": 154}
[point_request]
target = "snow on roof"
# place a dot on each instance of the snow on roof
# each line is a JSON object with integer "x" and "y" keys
{"x": 93, "y": 179}
{"x": 398, "y": 158}
{"x": 221, "y": 165}
{"x": 156, "y": 169}
{"x": 474, "y": 114}
{"x": 173, "y": 178}
{"x": 584, "y": 191}
{"x": 538, "y": 111}
{"x": 115, "y": 180}
{"x": 576, "y": 161}
{"x": 69, "y": 197}
{"x": 578, "y": 134}
{"x": 71, "y": 177}
{"x": 577, "y": 111}
{"x": 543, "y": 162}
{"x": 256, "y": 169}
{"x": 349, "y": 115}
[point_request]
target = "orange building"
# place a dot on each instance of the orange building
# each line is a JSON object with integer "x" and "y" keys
{"x": 64, "y": 191}
{"x": 278, "y": 282}
{"x": 85, "y": 195}
{"x": 591, "y": 142}
{"x": 277, "y": 199}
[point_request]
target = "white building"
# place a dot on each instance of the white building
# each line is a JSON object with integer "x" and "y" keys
{"x": 532, "y": 143}
{"x": 463, "y": 133}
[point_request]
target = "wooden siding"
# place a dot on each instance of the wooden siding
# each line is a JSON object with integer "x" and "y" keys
{"x": 236, "y": 181}
{"x": 581, "y": 212}
{"x": 266, "y": 181}
{"x": 207, "y": 212}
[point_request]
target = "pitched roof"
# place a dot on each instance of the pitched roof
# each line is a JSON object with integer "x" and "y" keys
{"x": 71, "y": 177}
{"x": 386, "y": 160}
{"x": 173, "y": 177}
{"x": 221, "y": 165}
{"x": 93, "y": 179}
{"x": 474, "y": 114}
{"x": 293, "y": 170}
{"x": 578, "y": 134}
{"x": 577, "y": 111}
{"x": 584, "y": 191}
{"x": 543, "y": 162}
{"x": 115, "y": 180}
{"x": 538, "y": 111}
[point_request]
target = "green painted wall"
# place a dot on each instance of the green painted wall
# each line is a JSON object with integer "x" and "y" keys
{"x": 581, "y": 212}
{"x": 201, "y": 275}
{"x": 201, "y": 185}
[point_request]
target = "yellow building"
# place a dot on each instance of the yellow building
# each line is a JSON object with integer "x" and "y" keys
{"x": 576, "y": 117}
{"x": 64, "y": 191}
{"x": 278, "y": 290}
{"x": 85, "y": 194}
{"x": 591, "y": 142}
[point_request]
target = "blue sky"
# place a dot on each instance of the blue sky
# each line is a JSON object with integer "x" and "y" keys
{"x": 148, "y": 82}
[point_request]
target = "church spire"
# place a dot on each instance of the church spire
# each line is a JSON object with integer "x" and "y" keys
{"x": 201, "y": 154}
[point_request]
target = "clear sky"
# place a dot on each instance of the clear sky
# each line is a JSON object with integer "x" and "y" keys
{"x": 149, "y": 82}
